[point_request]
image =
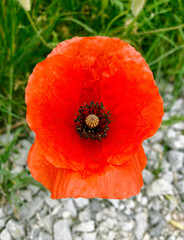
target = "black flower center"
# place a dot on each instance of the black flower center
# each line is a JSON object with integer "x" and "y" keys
{"x": 92, "y": 121}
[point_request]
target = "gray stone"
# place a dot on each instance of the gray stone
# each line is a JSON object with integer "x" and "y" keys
{"x": 114, "y": 202}
{"x": 62, "y": 230}
{"x": 2, "y": 222}
{"x": 17, "y": 170}
{"x": 167, "y": 176}
{"x": 165, "y": 165}
{"x": 155, "y": 217}
{"x": 84, "y": 215}
{"x": 4, "y": 235}
{"x": 45, "y": 222}
{"x": 34, "y": 189}
{"x": 111, "y": 235}
{"x": 146, "y": 237}
{"x": 88, "y": 226}
{"x": 68, "y": 204}
{"x": 81, "y": 202}
{"x": 3, "y": 218}
{"x": 21, "y": 157}
{"x": 156, "y": 231}
{"x": 95, "y": 205}
{"x": 103, "y": 227}
{"x": 15, "y": 229}
{"x": 174, "y": 139}
{"x": 141, "y": 224}
{"x": 178, "y": 126}
{"x": 180, "y": 186}
{"x": 66, "y": 214}
{"x": 89, "y": 236}
{"x": 35, "y": 230}
{"x": 3, "y": 138}
{"x": 28, "y": 210}
{"x": 127, "y": 226}
{"x": 147, "y": 176}
{"x": 159, "y": 187}
{"x": 44, "y": 236}
{"x": 26, "y": 144}
{"x": 52, "y": 203}
{"x": 157, "y": 137}
{"x": 78, "y": 238}
{"x": 176, "y": 158}
{"x": 178, "y": 107}
{"x": 111, "y": 222}
{"x": 26, "y": 194}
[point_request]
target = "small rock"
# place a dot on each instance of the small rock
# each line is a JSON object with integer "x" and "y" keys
{"x": 35, "y": 230}
{"x": 111, "y": 222}
{"x": 141, "y": 224}
{"x": 68, "y": 204}
{"x": 167, "y": 176}
{"x": 66, "y": 214}
{"x": 178, "y": 107}
{"x": 127, "y": 226}
{"x": 159, "y": 187}
{"x": 16, "y": 229}
{"x": 147, "y": 176}
{"x": 155, "y": 217}
{"x": 114, "y": 202}
{"x": 45, "y": 222}
{"x": 157, "y": 137}
{"x": 88, "y": 226}
{"x": 3, "y": 138}
{"x": 111, "y": 235}
{"x": 156, "y": 231}
{"x": 178, "y": 126}
{"x": 103, "y": 227}
{"x": 176, "y": 158}
{"x": 21, "y": 157}
{"x": 26, "y": 194}
{"x": 174, "y": 139}
{"x": 81, "y": 202}
{"x": 28, "y": 210}
{"x": 84, "y": 215}
{"x": 146, "y": 237}
{"x": 95, "y": 205}
{"x": 89, "y": 236}
{"x": 34, "y": 189}
{"x": 62, "y": 230}
{"x": 44, "y": 236}
{"x": 4, "y": 235}
{"x": 155, "y": 205}
{"x": 180, "y": 186}
{"x": 52, "y": 203}
{"x": 17, "y": 169}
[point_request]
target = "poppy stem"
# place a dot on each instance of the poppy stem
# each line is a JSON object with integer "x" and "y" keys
{"x": 36, "y": 31}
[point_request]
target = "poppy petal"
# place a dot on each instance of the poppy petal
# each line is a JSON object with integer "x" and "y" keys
{"x": 114, "y": 182}
{"x": 135, "y": 103}
{"x": 52, "y": 107}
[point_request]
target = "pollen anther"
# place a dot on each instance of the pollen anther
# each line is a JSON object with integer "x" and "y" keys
{"x": 92, "y": 121}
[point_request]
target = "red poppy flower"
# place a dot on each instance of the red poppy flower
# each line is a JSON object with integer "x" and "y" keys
{"x": 91, "y": 103}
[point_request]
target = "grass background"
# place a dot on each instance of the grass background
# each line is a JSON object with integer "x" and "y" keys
{"x": 157, "y": 31}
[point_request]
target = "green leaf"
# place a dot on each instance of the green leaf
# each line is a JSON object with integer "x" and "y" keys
{"x": 85, "y": 26}
{"x": 137, "y": 6}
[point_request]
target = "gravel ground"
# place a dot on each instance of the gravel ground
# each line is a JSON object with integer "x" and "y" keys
{"x": 156, "y": 213}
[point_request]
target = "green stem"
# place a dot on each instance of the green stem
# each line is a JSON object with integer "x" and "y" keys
{"x": 36, "y": 31}
{"x": 161, "y": 30}
{"x": 117, "y": 17}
